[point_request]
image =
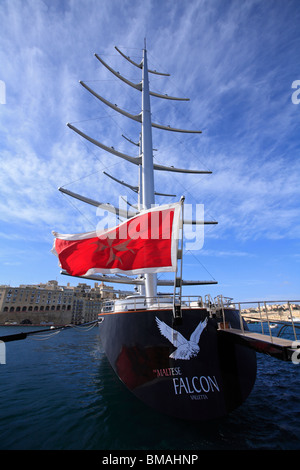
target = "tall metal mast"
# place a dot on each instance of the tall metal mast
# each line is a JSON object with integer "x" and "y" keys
{"x": 144, "y": 162}
{"x": 147, "y": 162}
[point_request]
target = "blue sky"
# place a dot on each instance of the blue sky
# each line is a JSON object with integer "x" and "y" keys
{"x": 235, "y": 60}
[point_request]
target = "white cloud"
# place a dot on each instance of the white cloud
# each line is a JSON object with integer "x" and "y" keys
{"x": 236, "y": 61}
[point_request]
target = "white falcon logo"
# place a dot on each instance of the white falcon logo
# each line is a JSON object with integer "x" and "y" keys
{"x": 185, "y": 349}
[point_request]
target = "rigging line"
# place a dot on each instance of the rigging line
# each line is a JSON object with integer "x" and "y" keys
{"x": 107, "y": 167}
{"x": 197, "y": 259}
{"x": 185, "y": 145}
{"x": 108, "y": 55}
{"x": 153, "y": 60}
{"x": 87, "y": 120}
{"x": 186, "y": 191}
{"x": 112, "y": 114}
{"x": 132, "y": 48}
{"x": 100, "y": 80}
{"x": 81, "y": 178}
{"x": 186, "y": 149}
{"x": 191, "y": 186}
{"x": 127, "y": 90}
{"x": 129, "y": 94}
{"x": 179, "y": 91}
{"x": 182, "y": 116}
{"x": 192, "y": 153}
{"x": 154, "y": 79}
{"x": 117, "y": 105}
{"x": 174, "y": 177}
{"x": 75, "y": 207}
{"x": 117, "y": 80}
{"x": 114, "y": 79}
{"x": 131, "y": 100}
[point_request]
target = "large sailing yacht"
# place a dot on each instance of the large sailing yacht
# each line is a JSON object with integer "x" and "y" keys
{"x": 164, "y": 347}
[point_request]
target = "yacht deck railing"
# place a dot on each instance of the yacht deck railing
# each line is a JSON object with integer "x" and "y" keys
{"x": 269, "y": 314}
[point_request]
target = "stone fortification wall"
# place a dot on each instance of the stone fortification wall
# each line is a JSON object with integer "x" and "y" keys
{"x": 36, "y": 318}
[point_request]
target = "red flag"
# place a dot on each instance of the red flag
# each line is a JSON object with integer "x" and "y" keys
{"x": 146, "y": 243}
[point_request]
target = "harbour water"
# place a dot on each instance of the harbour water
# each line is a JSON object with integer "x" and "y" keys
{"x": 61, "y": 393}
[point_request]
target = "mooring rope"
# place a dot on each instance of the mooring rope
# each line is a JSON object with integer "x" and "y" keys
{"x": 46, "y": 334}
{"x": 83, "y": 328}
{"x": 45, "y": 337}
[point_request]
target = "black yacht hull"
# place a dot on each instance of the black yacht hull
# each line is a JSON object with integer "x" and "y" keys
{"x": 202, "y": 384}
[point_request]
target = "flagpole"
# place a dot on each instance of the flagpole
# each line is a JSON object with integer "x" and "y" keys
{"x": 178, "y": 279}
{"x": 148, "y": 197}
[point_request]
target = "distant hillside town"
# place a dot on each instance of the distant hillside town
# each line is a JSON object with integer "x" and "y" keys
{"x": 273, "y": 312}
{"x": 52, "y": 304}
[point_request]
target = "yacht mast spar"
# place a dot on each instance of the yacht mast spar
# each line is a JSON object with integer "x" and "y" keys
{"x": 147, "y": 163}
{"x": 145, "y": 190}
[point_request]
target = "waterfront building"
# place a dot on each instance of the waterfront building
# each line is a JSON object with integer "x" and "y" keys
{"x": 51, "y": 303}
